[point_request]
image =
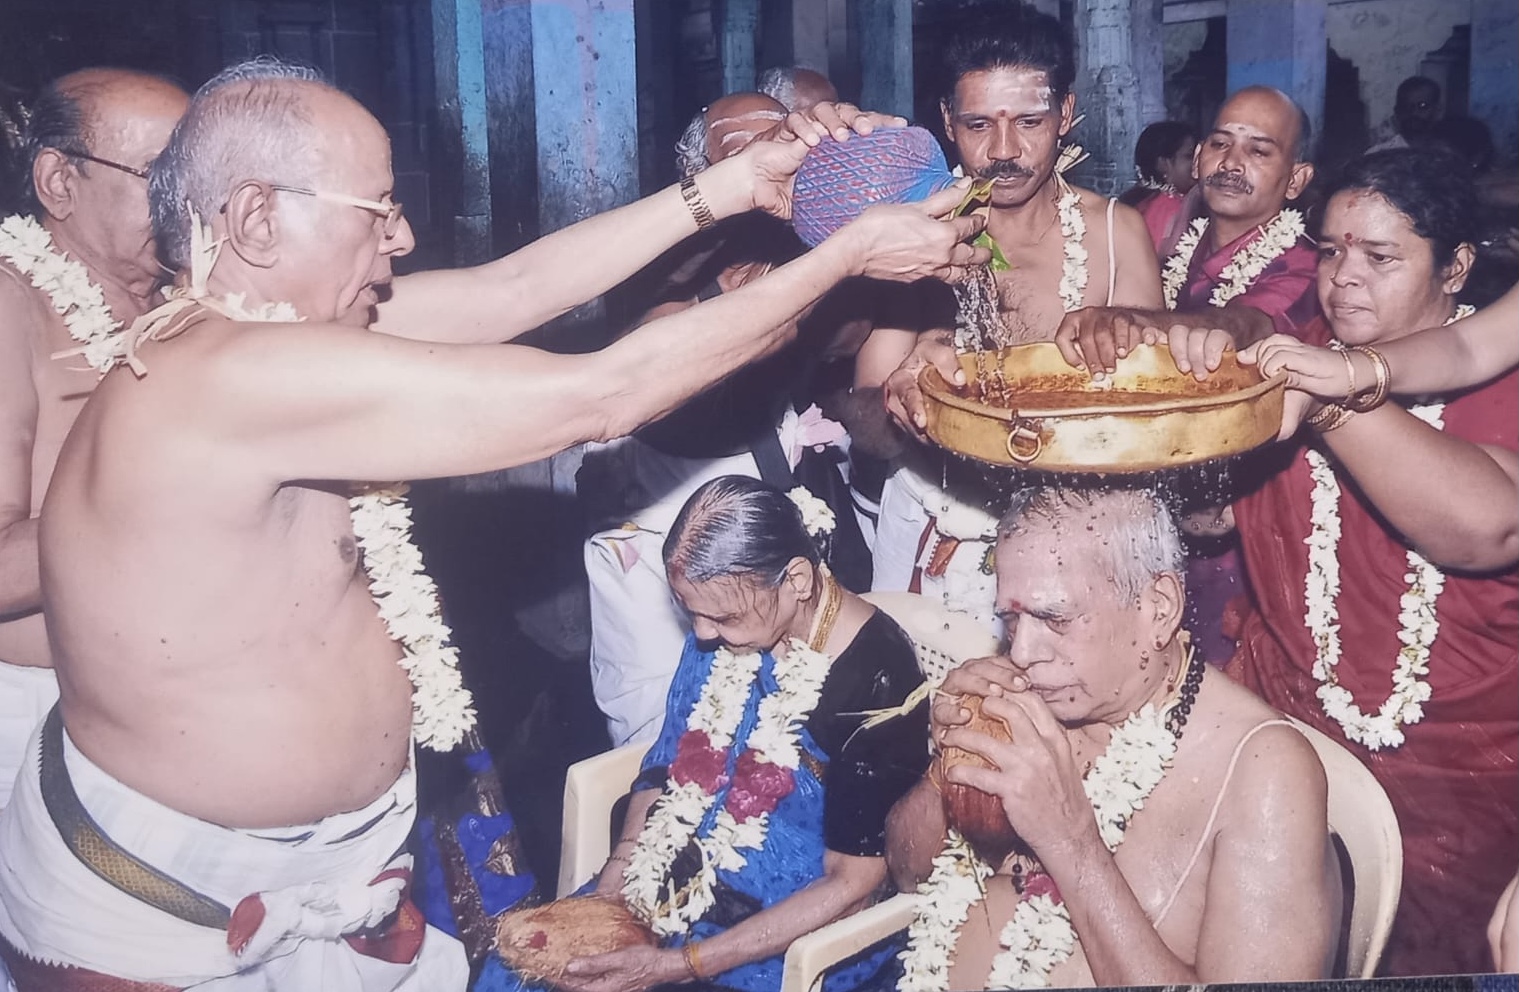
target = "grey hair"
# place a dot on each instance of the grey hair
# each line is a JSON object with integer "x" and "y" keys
{"x": 691, "y": 148}
{"x": 246, "y": 122}
{"x": 735, "y": 525}
{"x": 779, "y": 84}
{"x": 1141, "y": 544}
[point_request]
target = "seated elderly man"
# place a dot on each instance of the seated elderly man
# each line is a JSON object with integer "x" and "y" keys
{"x": 1126, "y": 815}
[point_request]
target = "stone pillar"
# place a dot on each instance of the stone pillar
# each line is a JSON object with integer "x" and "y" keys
{"x": 512, "y": 122}
{"x": 1148, "y": 33}
{"x": 1494, "y": 93}
{"x": 885, "y": 33}
{"x": 739, "y": 27}
{"x": 1107, "y": 92}
{"x": 585, "y": 99}
{"x": 459, "y": 78}
{"x": 809, "y": 34}
{"x": 1281, "y": 43}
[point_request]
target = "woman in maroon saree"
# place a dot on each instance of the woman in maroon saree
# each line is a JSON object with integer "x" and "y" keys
{"x": 1423, "y": 641}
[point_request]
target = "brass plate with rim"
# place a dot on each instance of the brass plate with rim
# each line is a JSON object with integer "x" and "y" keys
{"x": 1151, "y": 417}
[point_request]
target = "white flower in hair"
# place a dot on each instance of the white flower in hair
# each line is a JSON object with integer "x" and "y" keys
{"x": 817, "y": 516}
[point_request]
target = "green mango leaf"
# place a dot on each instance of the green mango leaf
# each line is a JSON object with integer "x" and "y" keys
{"x": 999, "y": 262}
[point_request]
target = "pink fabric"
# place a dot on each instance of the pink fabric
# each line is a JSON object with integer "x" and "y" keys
{"x": 1287, "y": 291}
{"x": 1160, "y": 213}
{"x": 1455, "y": 781}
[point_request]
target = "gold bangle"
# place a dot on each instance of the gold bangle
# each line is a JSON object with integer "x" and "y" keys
{"x": 696, "y": 203}
{"x": 1366, "y": 404}
{"x": 1332, "y": 415}
{"x": 1350, "y": 390}
{"x": 692, "y": 957}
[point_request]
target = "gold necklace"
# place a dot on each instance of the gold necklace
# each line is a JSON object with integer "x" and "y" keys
{"x": 828, "y": 611}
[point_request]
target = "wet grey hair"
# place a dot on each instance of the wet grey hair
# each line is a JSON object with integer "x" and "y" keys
{"x": 1140, "y": 544}
{"x": 779, "y": 84}
{"x": 691, "y": 148}
{"x": 246, "y": 122}
{"x": 736, "y": 525}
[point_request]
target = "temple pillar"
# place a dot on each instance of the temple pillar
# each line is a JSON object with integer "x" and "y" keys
{"x": 1494, "y": 92}
{"x": 459, "y": 80}
{"x": 1148, "y": 45}
{"x": 585, "y": 103}
{"x": 738, "y": 29}
{"x": 512, "y": 121}
{"x": 885, "y": 39}
{"x": 1281, "y": 43}
{"x": 1107, "y": 92}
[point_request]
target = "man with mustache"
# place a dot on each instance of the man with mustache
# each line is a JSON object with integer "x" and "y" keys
{"x": 1007, "y": 107}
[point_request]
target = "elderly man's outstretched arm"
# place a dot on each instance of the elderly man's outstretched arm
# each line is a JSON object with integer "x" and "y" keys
{"x": 328, "y": 402}
{"x": 503, "y": 299}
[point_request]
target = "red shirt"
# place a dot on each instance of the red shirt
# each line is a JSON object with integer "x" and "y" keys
{"x": 1286, "y": 290}
{"x": 1454, "y": 782}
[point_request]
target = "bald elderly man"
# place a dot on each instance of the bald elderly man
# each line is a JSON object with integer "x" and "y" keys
{"x": 91, "y": 136}
{"x": 223, "y": 798}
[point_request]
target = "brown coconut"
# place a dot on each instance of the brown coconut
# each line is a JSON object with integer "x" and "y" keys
{"x": 978, "y": 815}
{"x": 539, "y": 942}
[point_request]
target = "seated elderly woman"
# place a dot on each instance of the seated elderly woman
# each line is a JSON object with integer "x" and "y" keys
{"x": 1384, "y": 605}
{"x": 760, "y": 811}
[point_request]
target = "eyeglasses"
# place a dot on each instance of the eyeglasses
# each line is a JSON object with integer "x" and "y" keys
{"x": 390, "y": 211}
{"x": 139, "y": 173}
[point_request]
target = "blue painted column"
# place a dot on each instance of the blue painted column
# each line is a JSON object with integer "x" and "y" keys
{"x": 737, "y": 31}
{"x": 586, "y": 84}
{"x": 459, "y": 79}
{"x": 885, "y": 33}
{"x": 1280, "y": 43}
{"x": 1494, "y": 94}
{"x": 511, "y": 123}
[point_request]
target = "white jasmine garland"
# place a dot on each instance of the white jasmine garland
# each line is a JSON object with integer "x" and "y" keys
{"x": 1039, "y": 935}
{"x": 817, "y": 516}
{"x": 1244, "y": 267}
{"x": 29, "y": 248}
{"x": 1073, "y": 229}
{"x": 1418, "y": 624}
{"x": 676, "y": 817}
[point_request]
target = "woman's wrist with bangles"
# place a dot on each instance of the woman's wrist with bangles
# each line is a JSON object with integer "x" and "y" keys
{"x": 690, "y": 955}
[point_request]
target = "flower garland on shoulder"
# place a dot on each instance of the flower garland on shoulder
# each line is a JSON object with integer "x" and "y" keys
{"x": 1418, "y": 624}
{"x": 405, "y": 596}
{"x": 1039, "y": 935}
{"x": 74, "y": 296}
{"x": 1073, "y": 231}
{"x": 750, "y": 783}
{"x": 1244, "y": 267}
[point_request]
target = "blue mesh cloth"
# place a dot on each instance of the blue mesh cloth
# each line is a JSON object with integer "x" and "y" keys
{"x": 839, "y": 179}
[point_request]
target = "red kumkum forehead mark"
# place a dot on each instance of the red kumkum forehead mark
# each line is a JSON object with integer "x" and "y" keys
{"x": 1349, "y": 238}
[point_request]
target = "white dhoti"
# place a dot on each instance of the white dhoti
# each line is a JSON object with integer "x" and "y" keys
{"x": 637, "y": 627}
{"x": 313, "y": 883}
{"x": 929, "y": 537}
{"x": 26, "y": 694}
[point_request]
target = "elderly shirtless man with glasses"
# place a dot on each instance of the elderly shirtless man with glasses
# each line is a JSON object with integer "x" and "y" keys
{"x": 223, "y": 798}
{"x": 86, "y": 147}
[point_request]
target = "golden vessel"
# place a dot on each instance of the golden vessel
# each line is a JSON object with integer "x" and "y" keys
{"x": 1025, "y": 407}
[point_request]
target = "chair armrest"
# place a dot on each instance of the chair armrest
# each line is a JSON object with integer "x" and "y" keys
{"x": 591, "y": 788}
{"x": 812, "y": 954}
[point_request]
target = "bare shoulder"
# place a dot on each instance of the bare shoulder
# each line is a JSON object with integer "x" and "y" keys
{"x": 1269, "y": 748}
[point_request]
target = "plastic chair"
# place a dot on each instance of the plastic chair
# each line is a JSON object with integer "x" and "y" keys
{"x": 591, "y": 788}
{"x": 1361, "y": 815}
{"x": 941, "y": 638}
